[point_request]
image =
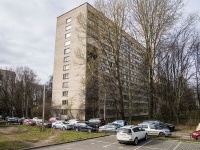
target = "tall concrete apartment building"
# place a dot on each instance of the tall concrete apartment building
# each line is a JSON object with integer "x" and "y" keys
{"x": 75, "y": 93}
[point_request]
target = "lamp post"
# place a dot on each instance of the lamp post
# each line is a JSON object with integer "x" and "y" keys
{"x": 104, "y": 115}
{"x": 43, "y": 109}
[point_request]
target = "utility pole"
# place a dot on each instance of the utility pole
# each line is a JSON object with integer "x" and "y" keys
{"x": 43, "y": 109}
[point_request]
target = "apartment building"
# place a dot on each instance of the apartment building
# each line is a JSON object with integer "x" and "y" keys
{"x": 84, "y": 83}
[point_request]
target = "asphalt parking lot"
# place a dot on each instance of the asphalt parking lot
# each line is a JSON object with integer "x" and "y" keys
{"x": 110, "y": 143}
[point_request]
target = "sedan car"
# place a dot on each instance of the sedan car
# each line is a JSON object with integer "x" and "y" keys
{"x": 29, "y": 122}
{"x": 152, "y": 129}
{"x": 112, "y": 128}
{"x": 196, "y": 135}
{"x": 61, "y": 125}
{"x": 171, "y": 127}
{"x": 81, "y": 126}
{"x": 131, "y": 134}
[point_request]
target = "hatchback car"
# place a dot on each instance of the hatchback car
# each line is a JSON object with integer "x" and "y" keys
{"x": 152, "y": 129}
{"x": 13, "y": 120}
{"x": 196, "y": 135}
{"x": 131, "y": 134}
{"x": 170, "y": 126}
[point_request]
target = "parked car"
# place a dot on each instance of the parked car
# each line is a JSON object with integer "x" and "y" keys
{"x": 81, "y": 126}
{"x": 97, "y": 121}
{"x": 62, "y": 125}
{"x": 153, "y": 129}
{"x": 131, "y": 134}
{"x": 1, "y": 118}
{"x": 120, "y": 122}
{"x": 171, "y": 127}
{"x": 47, "y": 124}
{"x": 13, "y": 120}
{"x": 22, "y": 119}
{"x": 198, "y": 127}
{"x": 29, "y": 122}
{"x": 54, "y": 119}
{"x": 73, "y": 122}
{"x": 196, "y": 135}
{"x": 112, "y": 128}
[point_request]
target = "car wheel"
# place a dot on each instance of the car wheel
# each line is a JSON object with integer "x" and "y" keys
{"x": 76, "y": 129}
{"x": 54, "y": 127}
{"x": 135, "y": 141}
{"x": 146, "y": 137}
{"x": 63, "y": 128}
{"x": 120, "y": 142}
{"x": 89, "y": 130}
{"x": 198, "y": 138}
{"x": 161, "y": 134}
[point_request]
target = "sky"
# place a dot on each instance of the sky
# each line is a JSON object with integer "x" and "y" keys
{"x": 28, "y": 29}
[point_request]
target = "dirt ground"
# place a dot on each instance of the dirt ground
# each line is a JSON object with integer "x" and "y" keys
{"x": 11, "y": 130}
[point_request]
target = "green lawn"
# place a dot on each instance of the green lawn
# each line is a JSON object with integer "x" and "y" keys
{"x": 15, "y": 137}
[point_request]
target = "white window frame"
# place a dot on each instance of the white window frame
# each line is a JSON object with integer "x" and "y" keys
{"x": 65, "y": 75}
{"x": 67, "y": 43}
{"x": 68, "y": 27}
{"x": 67, "y": 51}
{"x": 65, "y": 84}
{"x": 66, "y": 59}
{"x": 68, "y": 35}
{"x": 66, "y": 67}
{"x": 68, "y": 20}
{"x": 65, "y": 93}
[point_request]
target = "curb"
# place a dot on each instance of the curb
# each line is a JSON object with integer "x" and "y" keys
{"x": 63, "y": 142}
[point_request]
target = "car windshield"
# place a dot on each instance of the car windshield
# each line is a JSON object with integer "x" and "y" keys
{"x": 123, "y": 130}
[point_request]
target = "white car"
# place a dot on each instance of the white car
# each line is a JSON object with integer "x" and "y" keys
{"x": 152, "y": 129}
{"x": 61, "y": 125}
{"x": 131, "y": 134}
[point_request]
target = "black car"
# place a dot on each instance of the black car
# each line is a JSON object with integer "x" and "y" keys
{"x": 82, "y": 126}
{"x": 12, "y": 120}
{"x": 171, "y": 127}
{"x": 97, "y": 121}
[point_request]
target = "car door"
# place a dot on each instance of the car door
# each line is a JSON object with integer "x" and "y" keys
{"x": 153, "y": 130}
{"x": 137, "y": 132}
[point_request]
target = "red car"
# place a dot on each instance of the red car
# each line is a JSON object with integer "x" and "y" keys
{"x": 196, "y": 135}
{"x": 29, "y": 122}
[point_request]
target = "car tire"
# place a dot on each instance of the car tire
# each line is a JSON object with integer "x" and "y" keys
{"x": 89, "y": 130}
{"x": 146, "y": 136}
{"x": 161, "y": 134}
{"x": 54, "y": 127}
{"x": 135, "y": 141}
{"x": 63, "y": 128}
{"x": 120, "y": 142}
{"x": 198, "y": 138}
{"x": 76, "y": 129}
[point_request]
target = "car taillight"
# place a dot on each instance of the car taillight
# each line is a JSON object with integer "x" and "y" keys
{"x": 100, "y": 121}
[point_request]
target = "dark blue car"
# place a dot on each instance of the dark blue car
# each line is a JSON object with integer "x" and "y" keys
{"x": 81, "y": 126}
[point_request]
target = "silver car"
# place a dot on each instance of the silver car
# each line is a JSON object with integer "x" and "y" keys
{"x": 152, "y": 129}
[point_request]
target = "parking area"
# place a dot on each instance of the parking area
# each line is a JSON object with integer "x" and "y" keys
{"x": 110, "y": 143}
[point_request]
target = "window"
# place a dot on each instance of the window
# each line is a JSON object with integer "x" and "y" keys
{"x": 64, "y": 102}
{"x": 65, "y": 93}
{"x": 67, "y": 35}
{"x": 67, "y": 51}
{"x": 68, "y": 27}
{"x": 63, "y": 111}
{"x": 66, "y": 59}
{"x": 66, "y": 76}
{"x": 66, "y": 67}
{"x": 68, "y": 20}
{"x": 67, "y": 43}
{"x": 65, "y": 84}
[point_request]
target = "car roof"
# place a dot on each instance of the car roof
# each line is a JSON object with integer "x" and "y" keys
{"x": 129, "y": 127}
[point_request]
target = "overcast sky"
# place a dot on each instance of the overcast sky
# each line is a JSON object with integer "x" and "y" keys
{"x": 27, "y": 32}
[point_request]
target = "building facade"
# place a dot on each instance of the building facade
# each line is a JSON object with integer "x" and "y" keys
{"x": 84, "y": 83}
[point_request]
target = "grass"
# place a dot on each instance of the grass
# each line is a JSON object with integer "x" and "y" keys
{"x": 25, "y": 136}
{"x": 73, "y": 135}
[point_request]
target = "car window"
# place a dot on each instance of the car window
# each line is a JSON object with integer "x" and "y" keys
{"x": 122, "y": 130}
{"x": 136, "y": 129}
{"x": 152, "y": 127}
